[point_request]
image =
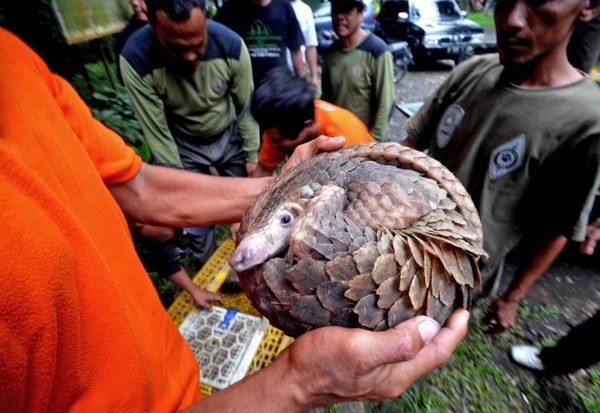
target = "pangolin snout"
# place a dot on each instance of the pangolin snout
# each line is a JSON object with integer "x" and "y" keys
{"x": 240, "y": 259}
{"x": 247, "y": 255}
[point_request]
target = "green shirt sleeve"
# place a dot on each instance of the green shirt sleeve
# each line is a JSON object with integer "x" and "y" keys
{"x": 384, "y": 95}
{"x": 421, "y": 126}
{"x": 150, "y": 112}
{"x": 241, "y": 94}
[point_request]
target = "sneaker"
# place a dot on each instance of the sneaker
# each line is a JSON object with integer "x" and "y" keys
{"x": 527, "y": 356}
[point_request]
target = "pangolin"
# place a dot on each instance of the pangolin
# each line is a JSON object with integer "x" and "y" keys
{"x": 366, "y": 236}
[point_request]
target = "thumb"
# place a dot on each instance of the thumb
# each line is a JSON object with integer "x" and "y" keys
{"x": 404, "y": 341}
{"x": 328, "y": 143}
{"x": 309, "y": 149}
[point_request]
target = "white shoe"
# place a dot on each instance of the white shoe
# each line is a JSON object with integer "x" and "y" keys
{"x": 527, "y": 356}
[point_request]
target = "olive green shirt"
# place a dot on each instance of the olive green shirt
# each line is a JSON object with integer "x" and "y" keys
{"x": 529, "y": 157}
{"x": 196, "y": 104}
{"x": 361, "y": 80}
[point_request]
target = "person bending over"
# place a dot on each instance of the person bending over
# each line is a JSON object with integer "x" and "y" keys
{"x": 285, "y": 108}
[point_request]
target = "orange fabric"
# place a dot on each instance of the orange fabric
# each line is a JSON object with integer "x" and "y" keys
{"x": 81, "y": 326}
{"x": 332, "y": 121}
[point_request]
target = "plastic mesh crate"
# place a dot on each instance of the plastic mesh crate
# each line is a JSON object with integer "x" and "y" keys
{"x": 595, "y": 74}
{"x": 211, "y": 277}
{"x": 224, "y": 342}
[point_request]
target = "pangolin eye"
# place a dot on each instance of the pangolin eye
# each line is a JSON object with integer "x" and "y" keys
{"x": 285, "y": 219}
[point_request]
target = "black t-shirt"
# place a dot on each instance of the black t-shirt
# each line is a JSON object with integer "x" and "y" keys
{"x": 267, "y": 31}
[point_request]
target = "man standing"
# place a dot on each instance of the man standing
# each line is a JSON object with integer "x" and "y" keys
{"x": 189, "y": 80}
{"x": 268, "y": 28}
{"x": 521, "y": 131}
{"x": 306, "y": 20}
{"x": 357, "y": 69}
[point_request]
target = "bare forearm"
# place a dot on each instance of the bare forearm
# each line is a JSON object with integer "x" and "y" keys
{"x": 261, "y": 171}
{"x": 175, "y": 198}
{"x": 311, "y": 58}
{"x": 541, "y": 258}
{"x": 182, "y": 280}
{"x": 297, "y": 62}
{"x": 272, "y": 387}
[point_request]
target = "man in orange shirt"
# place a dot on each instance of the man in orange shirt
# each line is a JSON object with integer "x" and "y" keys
{"x": 81, "y": 326}
{"x": 285, "y": 109}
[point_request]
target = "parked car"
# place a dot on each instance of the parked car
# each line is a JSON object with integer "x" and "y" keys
{"x": 434, "y": 29}
{"x": 325, "y": 33}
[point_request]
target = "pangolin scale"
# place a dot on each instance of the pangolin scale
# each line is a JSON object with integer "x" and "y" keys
{"x": 366, "y": 236}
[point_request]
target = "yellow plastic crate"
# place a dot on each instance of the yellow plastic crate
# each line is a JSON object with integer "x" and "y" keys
{"x": 595, "y": 74}
{"x": 211, "y": 277}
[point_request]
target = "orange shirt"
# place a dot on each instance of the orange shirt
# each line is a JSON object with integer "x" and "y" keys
{"x": 81, "y": 326}
{"x": 332, "y": 121}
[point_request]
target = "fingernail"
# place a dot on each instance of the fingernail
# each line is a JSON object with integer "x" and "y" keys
{"x": 428, "y": 330}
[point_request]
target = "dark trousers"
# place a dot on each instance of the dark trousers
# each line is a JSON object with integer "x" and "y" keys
{"x": 221, "y": 154}
{"x": 578, "y": 349}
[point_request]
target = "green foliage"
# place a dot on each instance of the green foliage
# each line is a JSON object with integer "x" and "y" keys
{"x": 482, "y": 19}
{"x": 34, "y": 22}
{"x": 163, "y": 286}
{"x": 221, "y": 233}
{"x": 111, "y": 107}
{"x": 114, "y": 110}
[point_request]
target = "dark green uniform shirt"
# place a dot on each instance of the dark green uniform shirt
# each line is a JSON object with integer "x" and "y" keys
{"x": 529, "y": 157}
{"x": 361, "y": 80}
{"x": 198, "y": 104}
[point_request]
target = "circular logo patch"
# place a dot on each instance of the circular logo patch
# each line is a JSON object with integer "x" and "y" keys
{"x": 357, "y": 71}
{"x": 506, "y": 158}
{"x": 217, "y": 85}
{"x": 450, "y": 120}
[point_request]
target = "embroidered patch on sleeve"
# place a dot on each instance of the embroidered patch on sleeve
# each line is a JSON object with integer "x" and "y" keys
{"x": 450, "y": 120}
{"x": 507, "y": 157}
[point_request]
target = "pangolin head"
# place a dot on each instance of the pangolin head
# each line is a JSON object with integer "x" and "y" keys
{"x": 269, "y": 237}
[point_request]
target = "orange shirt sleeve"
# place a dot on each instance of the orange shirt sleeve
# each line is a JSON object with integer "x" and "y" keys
{"x": 116, "y": 162}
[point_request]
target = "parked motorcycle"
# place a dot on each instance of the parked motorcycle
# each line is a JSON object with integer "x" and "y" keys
{"x": 402, "y": 58}
{"x": 401, "y": 54}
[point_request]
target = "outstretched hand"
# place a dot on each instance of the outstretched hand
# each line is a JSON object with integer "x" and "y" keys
{"x": 592, "y": 235}
{"x": 202, "y": 298}
{"x": 352, "y": 364}
{"x": 307, "y": 150}
{"x": 501, "y": 315}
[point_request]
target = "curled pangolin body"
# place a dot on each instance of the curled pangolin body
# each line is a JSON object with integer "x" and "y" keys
{"x": 367, "y": 236}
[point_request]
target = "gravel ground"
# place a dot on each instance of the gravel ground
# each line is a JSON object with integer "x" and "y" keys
{"x": 417, "y": 86}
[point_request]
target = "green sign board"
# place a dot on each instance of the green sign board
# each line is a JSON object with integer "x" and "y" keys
{"x": 84, "y": 20}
